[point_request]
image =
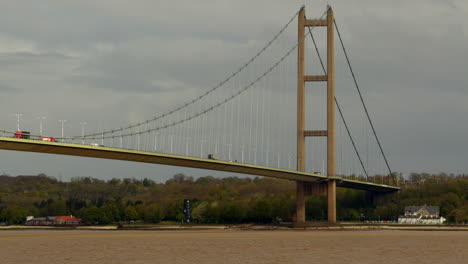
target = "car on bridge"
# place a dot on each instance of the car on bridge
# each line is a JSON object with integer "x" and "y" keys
{"x": 48, "y": 139}
{"x": 27, "y": 135}
{"x": 22, "y": 134}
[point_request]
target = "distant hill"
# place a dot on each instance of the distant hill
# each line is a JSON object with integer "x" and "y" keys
{"x": 5, "y": 179}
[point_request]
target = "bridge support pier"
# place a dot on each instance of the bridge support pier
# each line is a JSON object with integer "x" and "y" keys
{"x": 331, "y": 196}
{"x": 320, "y": 189}
{"x": 300, "y": 202}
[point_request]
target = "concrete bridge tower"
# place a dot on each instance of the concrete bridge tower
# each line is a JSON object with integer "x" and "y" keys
{"x": 302, "y": 187}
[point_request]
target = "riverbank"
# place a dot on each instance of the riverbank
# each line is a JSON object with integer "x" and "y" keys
{"x": 253, "y": 227}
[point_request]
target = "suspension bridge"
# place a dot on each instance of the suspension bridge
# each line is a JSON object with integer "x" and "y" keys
{"x": 260, "y": 120}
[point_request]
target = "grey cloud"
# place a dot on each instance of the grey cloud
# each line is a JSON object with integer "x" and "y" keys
{"x": 7, "y": 89}
{"x": 125, "y": 61}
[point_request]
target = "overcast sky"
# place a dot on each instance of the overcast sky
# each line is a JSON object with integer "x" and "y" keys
{"x": 123, "y": 61}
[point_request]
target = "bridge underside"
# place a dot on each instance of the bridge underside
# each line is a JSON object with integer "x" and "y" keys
{"x": 181, "y": 161}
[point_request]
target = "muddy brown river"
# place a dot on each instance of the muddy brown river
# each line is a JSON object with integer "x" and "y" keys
{"x": 382, "y": 246}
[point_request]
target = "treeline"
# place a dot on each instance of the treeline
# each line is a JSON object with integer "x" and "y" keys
{"x": 448, "y": 191}
{"x": 216, "y": 200}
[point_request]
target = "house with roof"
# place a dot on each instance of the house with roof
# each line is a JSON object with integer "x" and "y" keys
{"x": 65, "y": 220}
{"x": 428, "y": 215}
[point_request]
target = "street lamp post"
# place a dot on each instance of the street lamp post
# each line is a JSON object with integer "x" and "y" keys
{"x": 83, "y": 131}
{"x": 121, "y": 139}
{"x": 40, "y": 124}
{"x": 138, "y": 139}
{"x": 229, "y": 151}
{"x": 18, "y": 116}
{"x": 242, "y": 153}
{"x": 156, "y": 142}
{"x": 255, "y": 156}
{"x": 187, "y": 146}
{"x": 102, "y": 138}
{"x": 172, "y": 142}
{"x": 62, "y": 122}
{"x": 201, "y": 147}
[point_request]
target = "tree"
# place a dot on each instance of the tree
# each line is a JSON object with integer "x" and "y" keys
{"x": 114, "y": 181}
{"x": 449, "y": 203}
{"x": 173, "y": 209}
{"x": 148, "y": 182}
{"x": 261, "y": 212}
{"x": 316, "y": 208}
{"x": 231, "y": 212}
{"x": 460, "y": 215}
{"x": 180, "y": 217}
{"x": 179, "y": 178}
{"x": 111, "y": 212}
{"x": 212, "y": 213}
{"x": 14, "y": 214}
{"x": 199, "y": 212}
{"x": 58, "y": 207}
{"x": 153, "y": 214}
{"x": 93, "y": 215}
{"x": 131, "y": 214}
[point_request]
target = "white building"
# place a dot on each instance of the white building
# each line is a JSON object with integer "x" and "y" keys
{"x": 426, "y": 215}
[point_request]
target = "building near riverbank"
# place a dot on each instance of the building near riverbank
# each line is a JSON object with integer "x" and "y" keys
{"x": 65, "y": 220}
{"x": 427, "y": 215}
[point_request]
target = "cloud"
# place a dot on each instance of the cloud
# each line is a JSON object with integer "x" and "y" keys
{"x": 111, "y": 63}
{"x": 6, "y": 89}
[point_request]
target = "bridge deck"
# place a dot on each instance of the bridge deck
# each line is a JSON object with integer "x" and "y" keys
{"x": 182, "y": 161}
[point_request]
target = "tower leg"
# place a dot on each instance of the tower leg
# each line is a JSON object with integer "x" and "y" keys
{"x": 331, "y": 154}
{"x": 300, "y": 202}
{"x": 300, "y": 186}
{"x": 331, "y": 195}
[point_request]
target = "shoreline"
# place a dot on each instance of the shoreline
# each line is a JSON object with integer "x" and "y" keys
{"x": 248, "y": 227}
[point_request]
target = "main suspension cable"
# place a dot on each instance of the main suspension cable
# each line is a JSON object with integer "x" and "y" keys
{"x": 362, "y": 101}
{"x": 339, "y": 108}
{"x": 251, "y": 84}
{"x": 217, "y": 105}
{"x": 202, "y": 95}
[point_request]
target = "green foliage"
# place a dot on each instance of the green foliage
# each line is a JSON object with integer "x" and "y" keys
{"x": 94, "y": 215}
{"x": 199, "y": 212}
{"x": 450, "y": 193}
{"x": 449, "y": 202}
{"x": 148, "y": 182}
{"x": 231, "y": 212}
{"x": 316, "y": 208}
{"x": 53, "y": 207}
{"x": 14, "y": 215}
{"x": 460, "y": 215}
{"x": 174, "y": 209}
{"x": 212, "y": 213}
{"x": 112, "y": 212}
{"x": 217, "y": 200}
{"x": 153, "y": 214}
{"x": 261, "y": 212}
{"x": 131, "y": 213}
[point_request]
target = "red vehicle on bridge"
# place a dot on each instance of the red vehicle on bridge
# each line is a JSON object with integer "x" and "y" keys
{"x": 22, "y": 134}
{"x": 27, "y": 135}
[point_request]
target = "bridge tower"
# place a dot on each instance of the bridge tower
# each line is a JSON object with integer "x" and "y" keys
{"x": 330, "y": 132}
